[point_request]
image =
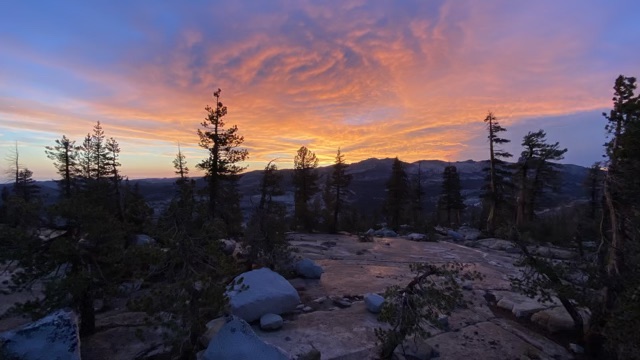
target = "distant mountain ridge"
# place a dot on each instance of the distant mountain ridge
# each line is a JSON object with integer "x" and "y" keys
{"x": 368, "y": 184}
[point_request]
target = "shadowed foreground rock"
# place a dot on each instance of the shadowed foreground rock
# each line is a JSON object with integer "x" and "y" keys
{"x": 236, "y": 340}
{"x": 261, "y": 292}
{"x": 53, "y": 337}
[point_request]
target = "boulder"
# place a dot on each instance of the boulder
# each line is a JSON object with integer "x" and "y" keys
{"x": 213, "y": 327}
{"x": 558, "y": 319}
{"x": 416, "y": 237}
{"x": 260, "y": 292}
{"x": 227, "y": 246}
{"x": 523, "y": 306}
{"x": 415, "y": 348}
{"x": 469, "y": 233}
{"x": 342, "y": 303}
{"x": 312, "y": 354}
{"x": 455, "y": 235}
{"x": 271, "y": 322}
{"x": 308, "y": 269}
{"x": 576, "y": 349}
{"x": 129, "y": 287}
{"x": 552, "y": 252}
{"x": 554, "y": 319}
{"x": 374, "y": 302}
{"x": 53, "y": 337}
{"x": 236, "y": 340}
{"x": 384, "y": 232}
{"x": 497, "y": 244}
{"x": 142, "y": 239}
{"x": 443, "y": 321}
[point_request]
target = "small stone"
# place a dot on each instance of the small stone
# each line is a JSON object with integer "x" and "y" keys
{"x": 312, "y": 354}
{"x": 300, "y": 307}
{"x": 271, "y": 322}
{"x": 342, "y": 303}
{"x": 576, "y": 349}
{"x": 320, "y": 300}
{"x": 98, "y": 305}
{"x": 307, "y": 309}
{"x": 443, "y": 321}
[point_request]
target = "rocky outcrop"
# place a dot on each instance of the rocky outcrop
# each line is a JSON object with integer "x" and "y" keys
{"x": 236, "y": 340}
{"x": 124, "y": 336}
{"x": 260, "y": 292}
{"x": 53, "y": 337}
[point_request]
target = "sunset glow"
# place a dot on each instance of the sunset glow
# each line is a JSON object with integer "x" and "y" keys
{"x": 412, "y": 79}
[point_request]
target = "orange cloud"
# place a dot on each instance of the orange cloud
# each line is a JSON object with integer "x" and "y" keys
{"x": 378, "y": 80}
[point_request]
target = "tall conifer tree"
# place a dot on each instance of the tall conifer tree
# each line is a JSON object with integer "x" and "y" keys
{"x": 305, "y": 178}
{"x": 225, "y": 154}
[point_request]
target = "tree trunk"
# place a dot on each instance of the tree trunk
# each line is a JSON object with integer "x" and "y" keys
{"x": 336, "y": 210}
{"x": 612, "y": 266}
{"x": 87, "y": 314}
{"x": 491, "y": 219}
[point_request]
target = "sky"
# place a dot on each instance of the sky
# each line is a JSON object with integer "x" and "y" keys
{"x": 379, "y": 78}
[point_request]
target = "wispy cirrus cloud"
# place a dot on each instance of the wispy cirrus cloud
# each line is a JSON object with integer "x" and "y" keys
{"x": 411, "y": 79}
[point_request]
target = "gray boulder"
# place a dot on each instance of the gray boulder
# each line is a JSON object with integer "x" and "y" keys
{"x": 236, "y": 340}
{"x": 469, "y": 233}
{"x": 416, "y": 237}
{"x": 142, "y": 239}
{"x": 308, "y": 269}
{"x": 227, "y": 246}
{"x": 374, "y": 302}
{"x": 53, "y": 337}
{"x": 455, "y": 235}
{"x": 261, "y": 292}
{"x": 384, "y": 232}
{"x": 271, "y": 322}
{"x": 497, "y": 244}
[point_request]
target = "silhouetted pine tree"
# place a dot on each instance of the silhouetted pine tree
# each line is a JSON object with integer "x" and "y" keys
{"x": 397, "y": 187}
{"x": 305, "y": 179}
{"x": 266, "y": 228}
{"x": 26, "y": 188}
{"x": 535, "y": 172}
{"x": 223, "y": 145}
{"x": 112, "y": 167}
{"x": 622, "y": 198}
{"x": 180, "y": 166}
{"x": 498, "y": 195}
{"x": 417, "y": 197}
{"x": 65, "y": 159}
{"x": 337, "y": 184}
{"x": 451, "y": 201}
